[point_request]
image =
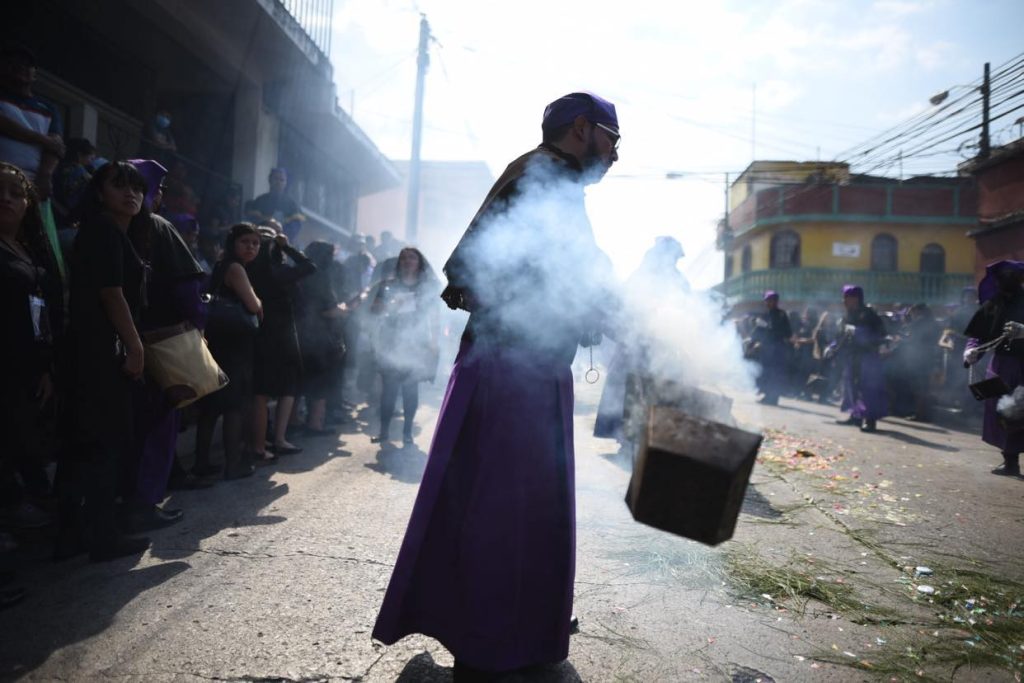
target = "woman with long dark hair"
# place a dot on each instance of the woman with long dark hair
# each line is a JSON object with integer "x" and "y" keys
{"x": 406, "y": 349}
{"x": 30, "y": 310}
{"x": 233, "y": 348}
{"x": 107, "y": 296}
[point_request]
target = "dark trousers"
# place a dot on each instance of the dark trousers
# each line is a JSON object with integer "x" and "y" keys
{"x": 87, "y": 487}
{"x": 391, "y": 384}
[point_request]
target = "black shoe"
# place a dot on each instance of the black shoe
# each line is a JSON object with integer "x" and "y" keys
{"x": 379, "y": 439}
{"x": 325, "y": 431}
{"x": 574, "y": 625}
{"x": 125, "y": 547}
{"x": 240, "y": 471}
{"x": 407, "y": 440}
{"x": 152, "y": 518}
{"x": 284, "y": 450}
{"x": 768, "y": 401}
{"x": 851, "y": 421}
{"x": 1010, "y": 466}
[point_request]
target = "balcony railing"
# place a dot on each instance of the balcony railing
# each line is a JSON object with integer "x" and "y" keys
{"x": 826, "y": 284}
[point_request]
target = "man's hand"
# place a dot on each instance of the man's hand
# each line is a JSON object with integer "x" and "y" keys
{"x": 281, "y": 239}
{"x": 1013, "y": 330}
{"x": 54, "y": 144}
{"x": 134, "y": 362}
{"x": 45, "y": 389}
{"x": 972, "y": 356}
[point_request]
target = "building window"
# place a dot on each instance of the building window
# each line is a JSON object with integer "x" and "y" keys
{"x": 933, "y": 259}
{"x": 745, "y": 259}
{"x": 728, "y": 266}
{"x": 883, "y": 253}
{"x": 785, "y": 250}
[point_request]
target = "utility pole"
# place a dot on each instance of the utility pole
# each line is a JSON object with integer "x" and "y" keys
{"x": 984, "y": 148}
{"x": 412, "y": 207}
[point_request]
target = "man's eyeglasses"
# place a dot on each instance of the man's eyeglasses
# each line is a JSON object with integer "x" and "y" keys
{"x": 612, "y": 135}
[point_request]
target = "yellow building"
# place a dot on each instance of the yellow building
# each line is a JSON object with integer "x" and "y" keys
{"x": 805, "y": 229}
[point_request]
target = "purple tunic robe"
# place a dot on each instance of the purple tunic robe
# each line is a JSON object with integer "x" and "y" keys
{"x": 488, "y": 560}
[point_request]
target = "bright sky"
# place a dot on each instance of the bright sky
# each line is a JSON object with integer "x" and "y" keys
{"x": 829, "y": 74}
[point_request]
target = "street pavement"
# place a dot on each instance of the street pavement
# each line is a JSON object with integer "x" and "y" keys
{"x": 279, "y": 576}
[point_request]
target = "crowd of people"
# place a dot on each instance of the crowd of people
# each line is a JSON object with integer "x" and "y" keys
{"x": 96, "y": 268}
{"x": 907, "y": 362}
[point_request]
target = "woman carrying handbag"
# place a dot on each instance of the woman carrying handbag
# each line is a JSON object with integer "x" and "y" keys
{"x": 231, "y": 333}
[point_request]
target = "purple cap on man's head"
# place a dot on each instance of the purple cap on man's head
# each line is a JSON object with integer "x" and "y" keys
{"x": 853, "y": 290}
{"x": 989, "y": 285}
{"x": 771, "y": 294}
{"x": 153, "y": 173}
{"x": 565, "y": 109}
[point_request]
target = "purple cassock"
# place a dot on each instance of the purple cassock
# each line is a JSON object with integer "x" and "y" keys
{"x": 864, "y": 394}
{"x": 1002, "y": 301}
{"x": 488, "y": 560}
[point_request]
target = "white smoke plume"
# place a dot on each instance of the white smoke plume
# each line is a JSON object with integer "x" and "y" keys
{"x": 1011, "y": 406}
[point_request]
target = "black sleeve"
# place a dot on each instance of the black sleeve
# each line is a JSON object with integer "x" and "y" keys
{"x": 101, "y": 256}
{"x": 984, "y": 323}
{"x": 285, "y": 274}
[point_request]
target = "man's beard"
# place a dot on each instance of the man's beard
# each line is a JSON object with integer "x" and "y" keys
{"x": 594, "y": 166}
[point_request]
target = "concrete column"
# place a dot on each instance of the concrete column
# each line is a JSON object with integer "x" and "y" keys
{"x": 257, "y": 135}
{"x": 84, "y": 122}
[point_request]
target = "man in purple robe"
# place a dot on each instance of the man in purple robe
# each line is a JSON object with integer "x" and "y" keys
{"x": 488, "y": 561}
{"x": 1001, "y": 315}
{"x": 773, "y": 334}
{"x": 863, "y": 375}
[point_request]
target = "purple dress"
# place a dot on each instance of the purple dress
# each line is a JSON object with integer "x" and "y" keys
{"x": 488, "y": 561}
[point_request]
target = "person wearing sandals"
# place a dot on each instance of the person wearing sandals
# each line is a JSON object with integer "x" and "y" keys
{"x": 278, "y": 360}
{"x": 233, "y": 349}
{"x": 406, "y": 350}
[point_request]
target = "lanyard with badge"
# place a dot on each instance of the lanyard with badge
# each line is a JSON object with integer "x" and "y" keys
{"x": 36, "y": 302}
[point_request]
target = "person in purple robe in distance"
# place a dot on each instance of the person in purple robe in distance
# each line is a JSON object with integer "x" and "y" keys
{"x": 863, "y": 374}
{"x": 488, "y": 561}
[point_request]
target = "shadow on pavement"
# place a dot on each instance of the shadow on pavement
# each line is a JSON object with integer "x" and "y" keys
{"x": 401, "y": 464}
{"x": 755, "y": 504}
{"x": 915, "y": 441}
{"x": 423, "y": 669}
{"x": 32, "y": 635}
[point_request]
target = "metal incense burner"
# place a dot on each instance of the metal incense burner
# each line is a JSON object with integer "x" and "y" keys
{"x": 692, "y": 463}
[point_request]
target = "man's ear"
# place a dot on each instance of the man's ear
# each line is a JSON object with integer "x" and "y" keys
{"x": 579, "y": 128}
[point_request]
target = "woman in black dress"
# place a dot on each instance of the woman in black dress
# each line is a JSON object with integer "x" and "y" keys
{"x": 30, "y": 308}
{"x": 278, "y": 363}
{"x": 107, "y": 296}
{"x": 233, "y": 347}
{"x": 406, "y": 349}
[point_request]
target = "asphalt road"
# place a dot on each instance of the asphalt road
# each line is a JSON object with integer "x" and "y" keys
{"x": 279, "y": 577}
